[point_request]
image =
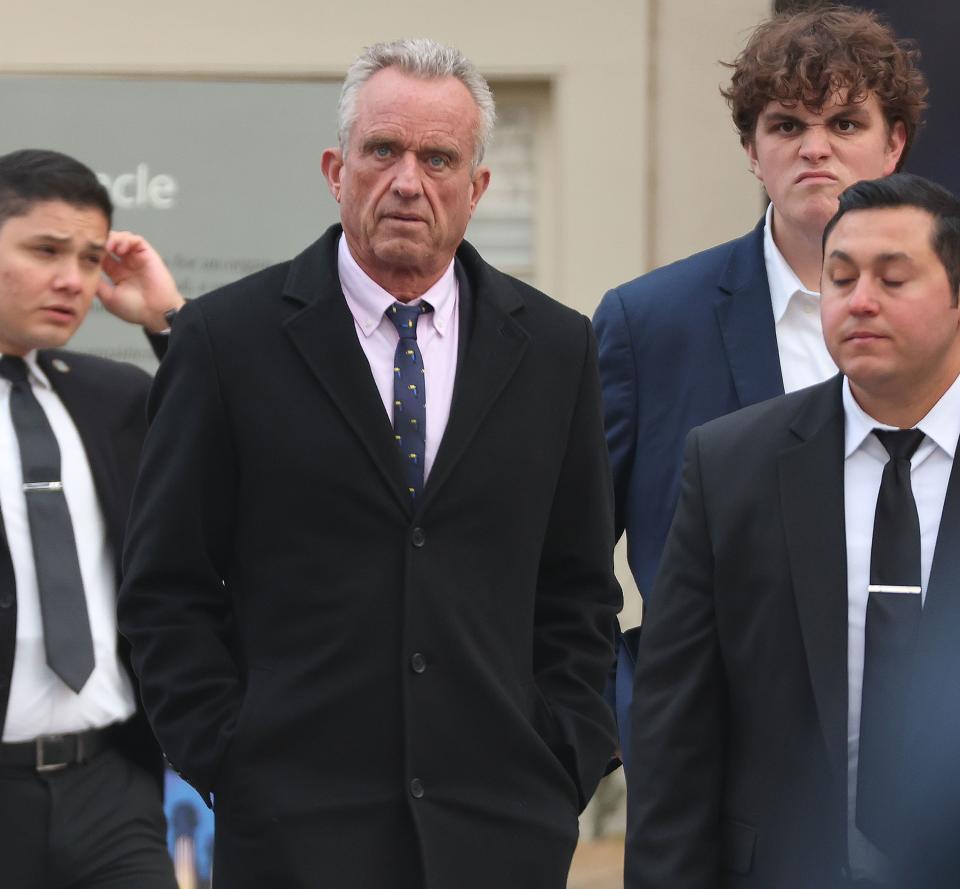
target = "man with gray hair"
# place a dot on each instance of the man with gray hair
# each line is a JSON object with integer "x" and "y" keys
{"x": 372, "y": 627}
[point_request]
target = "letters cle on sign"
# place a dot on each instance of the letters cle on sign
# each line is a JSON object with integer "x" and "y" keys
{"x": 140, "y": 189}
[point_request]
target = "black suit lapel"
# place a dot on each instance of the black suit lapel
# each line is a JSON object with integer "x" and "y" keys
{"x": 491, "y": 346}
{"x": 942, "y": 604}
{"x": 745, "y": 315}
{"x": 323, "y": 332}
{"x": 811, "y": 488}
{"x": 938, "y": 647}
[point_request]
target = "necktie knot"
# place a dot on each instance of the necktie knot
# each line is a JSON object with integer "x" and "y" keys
{"x": 405, "y": 317}
{"x": 901, "y": 444}
{"x": 13, "y": 368}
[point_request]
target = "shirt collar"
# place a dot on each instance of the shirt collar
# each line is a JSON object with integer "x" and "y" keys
{"x": 782, "y": 279}
{"x": 368, "y": 301}
{"x": 941, "y": 424}
{"x": 36, "y": 375}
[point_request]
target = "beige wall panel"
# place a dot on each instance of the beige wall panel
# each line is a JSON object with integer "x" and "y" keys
{"x": 703, "y": 192}
{"x": 289, "y": 35}
{"x": 602, "y": 160}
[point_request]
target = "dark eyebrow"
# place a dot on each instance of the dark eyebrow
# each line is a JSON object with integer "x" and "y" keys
{"x": 60, "y": 239}
{"x": 447, "y": 151}
{"x": 374, "y": 140}
{"x": 855, "y": 110}
{"x": 883, "y": 257}
{"x": 778, "y": 116}
{"x": 839, "y": 254}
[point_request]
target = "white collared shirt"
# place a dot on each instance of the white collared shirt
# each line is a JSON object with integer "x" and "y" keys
{"x": 804, "y": 359}
{"x": 40, "y": 703}
{"x": 437, "y": 339}
{"x": 864, "y": 459}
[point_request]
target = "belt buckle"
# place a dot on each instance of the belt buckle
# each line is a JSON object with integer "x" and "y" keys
{"x": 42, "y": 765}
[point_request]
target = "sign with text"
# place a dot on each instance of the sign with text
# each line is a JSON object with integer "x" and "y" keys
{"x": 222, "y": 177}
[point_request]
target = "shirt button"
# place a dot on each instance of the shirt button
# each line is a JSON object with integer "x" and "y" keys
{"x": 418, "y": 538}
{"x": 416, "y": 788}
{"x": 418, "y": 662}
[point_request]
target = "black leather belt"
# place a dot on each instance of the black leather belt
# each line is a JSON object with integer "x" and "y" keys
{"x": 49, "y": 753}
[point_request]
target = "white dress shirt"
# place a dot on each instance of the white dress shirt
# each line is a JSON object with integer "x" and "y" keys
{"x": 864, "y": 459}
{"x": 437, "y": 339}
{"x": 40, "y": 703}
{"x": 804, "y": 359}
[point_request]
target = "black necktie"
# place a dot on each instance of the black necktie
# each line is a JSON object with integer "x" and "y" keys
{"x": 63, "y": 605}
{"x": 409, "y": 394}
{"x": 893, "y": 619}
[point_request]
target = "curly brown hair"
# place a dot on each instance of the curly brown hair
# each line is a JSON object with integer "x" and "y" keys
{"x": 827, "y": 51}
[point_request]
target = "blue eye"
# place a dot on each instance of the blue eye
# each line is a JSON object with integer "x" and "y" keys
{"x": 437, "y": 161}
{"x": 382, "y": 151}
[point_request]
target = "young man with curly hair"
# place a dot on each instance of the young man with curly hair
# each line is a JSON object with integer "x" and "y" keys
{"x": 822, "y": 99}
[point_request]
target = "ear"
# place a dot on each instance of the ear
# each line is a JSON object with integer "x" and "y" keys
{"x": 478, "y": 185}
{"x": 896, "y": 140}
{"x": 750, "y": 149}
{"x": 331, "y": 163}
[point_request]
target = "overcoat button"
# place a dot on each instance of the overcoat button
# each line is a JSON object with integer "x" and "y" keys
{"x": 417, "y": 537}
{"x": 418, "y": 662}
{"x": 416, "y": 788}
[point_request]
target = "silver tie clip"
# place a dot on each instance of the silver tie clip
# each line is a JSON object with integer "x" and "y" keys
{"x": 42, "y": 486}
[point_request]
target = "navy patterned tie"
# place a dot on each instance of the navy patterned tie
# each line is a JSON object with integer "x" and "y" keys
{"x": 409, "y": 394}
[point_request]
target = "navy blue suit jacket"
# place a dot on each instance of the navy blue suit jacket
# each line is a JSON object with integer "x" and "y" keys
{"x": 679, "y": 346}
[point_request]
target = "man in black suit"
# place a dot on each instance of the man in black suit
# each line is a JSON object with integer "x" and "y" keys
{"x": 379, "y": 651}
{"x": 80, "y": 800}
{"x": 796, "y": 718}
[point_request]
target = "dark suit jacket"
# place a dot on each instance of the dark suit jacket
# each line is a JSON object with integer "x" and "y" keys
{"x": 370, "y": 688}
{"x": 106, "y": 401}
{"x": 738, "y": 777}
{"x": 679, "y": 346}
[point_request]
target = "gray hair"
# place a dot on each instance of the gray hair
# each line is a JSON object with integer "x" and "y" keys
{"x": 419, "y": 57}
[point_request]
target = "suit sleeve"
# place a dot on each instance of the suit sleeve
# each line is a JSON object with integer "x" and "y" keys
{"x": 618, "y": 379}
{"x": 158, "y": 343}
{"x": 174, "y": 601}
{"x": 674, "y": 782}
{"x": 578, "y": 596}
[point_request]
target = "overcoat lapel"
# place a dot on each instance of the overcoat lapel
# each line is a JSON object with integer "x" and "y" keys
{"x": 811, "y": 489}
{"x": 494, "y": 348}
{"x": 322, "y": 330}
{"x": 745, "y": 315}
